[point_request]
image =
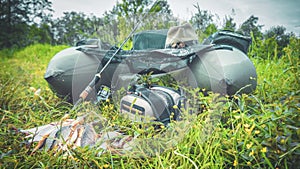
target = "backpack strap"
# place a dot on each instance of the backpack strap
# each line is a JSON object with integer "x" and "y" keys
{"x": 176, "y": 96}
{"x": 158, "y": 102}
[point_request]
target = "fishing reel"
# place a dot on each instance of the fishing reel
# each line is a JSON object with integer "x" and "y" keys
{"x": 103, "y": 94}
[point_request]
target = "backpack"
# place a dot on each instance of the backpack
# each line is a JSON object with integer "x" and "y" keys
{"x": 155, "y": 103}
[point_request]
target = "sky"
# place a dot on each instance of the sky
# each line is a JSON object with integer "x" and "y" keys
{"x": 270, "y": 12}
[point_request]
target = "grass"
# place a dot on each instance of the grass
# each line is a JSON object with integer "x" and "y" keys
{"x": 259, "y": 130}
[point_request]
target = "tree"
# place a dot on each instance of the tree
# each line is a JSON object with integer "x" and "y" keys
{"x": 133, "y": 11}
{"x": 229, "y": 24}
{"x": 279, "y": 35}
{"x": 201, "y": 21}
{"x": 273, "y": 43}
{"x": 121, "y": 20}
{"x": 39, "y": 34}
{"x": 74, "y": 26}
{"x": 17, "y": 18}
{"x": 251, "y": 25}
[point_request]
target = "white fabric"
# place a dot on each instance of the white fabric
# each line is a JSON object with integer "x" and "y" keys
{"x": 182, "y": 33}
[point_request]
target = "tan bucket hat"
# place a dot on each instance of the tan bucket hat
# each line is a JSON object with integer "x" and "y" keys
{"x": 182, "y": 33}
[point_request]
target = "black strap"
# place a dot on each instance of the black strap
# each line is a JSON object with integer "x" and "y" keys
{"x": 158, "y": 104}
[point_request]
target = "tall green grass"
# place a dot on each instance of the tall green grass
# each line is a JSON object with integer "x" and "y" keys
{"x": 260, "y": 130}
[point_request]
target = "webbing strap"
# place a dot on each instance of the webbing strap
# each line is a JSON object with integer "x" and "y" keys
{"x": 158, "y": 104}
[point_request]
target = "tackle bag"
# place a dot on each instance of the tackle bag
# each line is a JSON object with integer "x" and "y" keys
{"x": 156, "y": 104}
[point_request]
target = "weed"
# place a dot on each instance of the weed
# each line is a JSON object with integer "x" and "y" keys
{"x": 259, "y": 130}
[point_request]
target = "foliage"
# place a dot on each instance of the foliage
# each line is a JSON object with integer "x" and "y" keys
{"x": 16, "y": 19}
{"x": 75, "y": 26}
{"x": 259, "y": 130}
{"x": 201, "y": 21}
{"x": 272, "y": 47}
{"x": 28, "y": 22}
{"x": 210, "y": 29}
{"x": 124, "y": 16}
{"x": 279, "y": 36}
{"x": 229, "y": 24}
{"x": 251, "y": 25}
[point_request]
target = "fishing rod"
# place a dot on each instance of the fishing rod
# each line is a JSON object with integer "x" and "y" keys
{"x": 84, "y": 94}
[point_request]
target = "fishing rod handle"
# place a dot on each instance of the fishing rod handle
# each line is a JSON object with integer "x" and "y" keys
{"x": 85, "y": 92}
{"x": 90, "y": 87}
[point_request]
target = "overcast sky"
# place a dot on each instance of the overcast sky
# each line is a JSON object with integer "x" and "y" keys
{"x": 269, "y": 12}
